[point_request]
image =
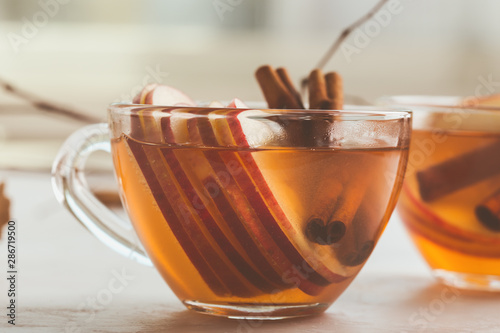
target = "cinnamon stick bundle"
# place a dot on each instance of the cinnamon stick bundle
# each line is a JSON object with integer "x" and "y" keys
{"x": 459, "y": 172}
{"x": 325, "y": 91}
{"x": 488, "y": 212}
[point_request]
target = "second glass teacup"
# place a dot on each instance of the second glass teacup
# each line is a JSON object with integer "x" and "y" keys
{"x": 450, "y": 201}
{"x": 245, "y": 213}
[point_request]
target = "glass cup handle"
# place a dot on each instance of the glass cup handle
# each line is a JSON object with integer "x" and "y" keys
{"x": 72, "y": 191}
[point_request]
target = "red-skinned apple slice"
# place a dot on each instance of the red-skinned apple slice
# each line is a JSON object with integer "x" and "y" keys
{"x": 211, "y": 267}
{"x": 295, "y": 245}
{"x": 199, "y": 169}
{"x": 422, "y": 221}
{"x": 194, "y": 254}
{"x": 237, "y": 103}
{"x": 204, "y": 166}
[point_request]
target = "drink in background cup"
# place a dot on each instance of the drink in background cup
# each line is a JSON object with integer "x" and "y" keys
{"x": 450, "y": 202}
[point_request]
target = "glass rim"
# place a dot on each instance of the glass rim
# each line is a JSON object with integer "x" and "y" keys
{"x": 433, "y": 103}
{"x": 350, "y": 113}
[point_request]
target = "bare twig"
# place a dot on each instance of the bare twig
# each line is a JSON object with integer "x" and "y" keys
{"x": 46, "y": 106}
{"x": 345, "y": 33}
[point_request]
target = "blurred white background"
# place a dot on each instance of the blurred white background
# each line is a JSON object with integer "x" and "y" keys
{"x": 87, "y": 54}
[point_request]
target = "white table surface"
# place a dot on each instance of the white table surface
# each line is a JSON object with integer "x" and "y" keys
{"x": 62, "y": 266}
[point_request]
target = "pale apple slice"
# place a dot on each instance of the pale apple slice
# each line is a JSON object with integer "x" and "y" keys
{"x": 167, "y": 96}
{"x": 215, "y": 104}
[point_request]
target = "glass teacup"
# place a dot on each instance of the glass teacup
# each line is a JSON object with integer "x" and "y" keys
{"x": 450, "y": 202}
{"x": 245, "y": 213}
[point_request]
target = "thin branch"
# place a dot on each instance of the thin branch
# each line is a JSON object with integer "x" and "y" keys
{"x": 347, "y": 31}
{"x": 343, "y": 35}
{"x": 45, "y": 106}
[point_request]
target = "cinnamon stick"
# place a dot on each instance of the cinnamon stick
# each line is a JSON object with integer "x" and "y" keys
{"x": 488, "y": 212}
{"x": 334, "y": 89}
{"x": 280, "y": 93}
{"x": 318, "y": 98}
{"x": 325, "y": 91}
{"x": 285, "y": 79}
{"x": 459, "y": 172}
{"x": 358, "y": 241}
{"x": 277, "y": 91}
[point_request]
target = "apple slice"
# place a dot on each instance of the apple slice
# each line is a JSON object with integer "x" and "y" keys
{"x": 237, "y": 104}
{"x": 140, "y": 98}
{"x": 424, "y": 222}
{"x": 296, "y": 243}
{"x": 212, "y": 268}
{"x": 258, "y": 219}
{"x": 206, "y": 166}
{"x": 196, "y": 256}
{"x": 257, "y": 190}
{"x": 212, "y": 229}
{"x": 215, "y": 104}
{"x": 164, "y": 96}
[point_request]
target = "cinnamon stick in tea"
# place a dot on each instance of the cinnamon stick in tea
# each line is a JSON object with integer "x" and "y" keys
{"x": 488, "y": 212}
{"x": 459, "y": 172}
{"x": 358, "y": 241}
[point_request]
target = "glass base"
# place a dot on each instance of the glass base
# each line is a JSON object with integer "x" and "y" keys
{"x": 466, "y": 281}
{"x": 257, "y": 311}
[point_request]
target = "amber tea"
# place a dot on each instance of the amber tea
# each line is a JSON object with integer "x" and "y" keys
{"x": 450, "y": 201}
{"x": 296, "y": 229}
{"x": 443, "y": 204}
